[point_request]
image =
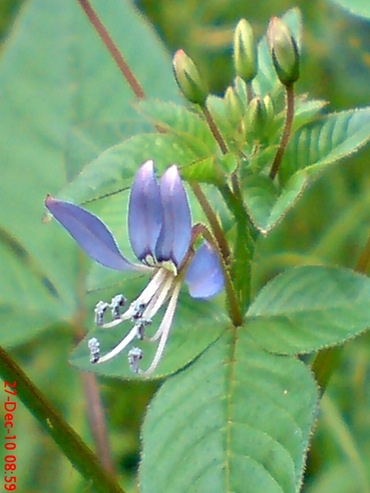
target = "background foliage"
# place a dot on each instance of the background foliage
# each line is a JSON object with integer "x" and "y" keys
{"x": 328, "y": 225}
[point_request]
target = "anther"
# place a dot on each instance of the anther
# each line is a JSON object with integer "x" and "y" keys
{"x": 116, "y": 304}
{"x": 140, "y": 325}
{"x": 99, "y": 311}
{"x": 135, "y": 355}
{"x": 94, "y": 346}
{"x": 138, "y": 311}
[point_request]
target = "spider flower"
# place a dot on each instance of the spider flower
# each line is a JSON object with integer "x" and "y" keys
{"x": 161, "y": 237}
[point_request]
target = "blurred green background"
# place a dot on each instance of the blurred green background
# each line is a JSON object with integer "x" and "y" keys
{"x": 330, "y": 225}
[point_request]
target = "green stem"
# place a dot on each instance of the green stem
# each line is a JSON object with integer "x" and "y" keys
{"x": 289, "y": 92}
{"x": 81, "y": 457}
{"x": 327, "y": 360}
{"x": 235, "y": 204}
{"x": 246, "y": 237}
{"x": 112, "y": 48}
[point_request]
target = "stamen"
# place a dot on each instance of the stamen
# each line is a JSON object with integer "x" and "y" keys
{"x": 144, "y": 322}
{"x": 134, "y": 356}
{"x": 116, "y": 350}
{"x": 94, "y": 347}
{"x": 139, "y": 310}
{"x": 142, "y": 300}
{"x": 156, "y": 303}
{"x": 164, "y": 330}
{"x": 116, "y": 304}
{"x": 159, "y": 298}
{"x": 99, "y": 311}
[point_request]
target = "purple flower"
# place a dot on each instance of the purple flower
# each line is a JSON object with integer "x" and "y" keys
{"x": 160, "y": 232}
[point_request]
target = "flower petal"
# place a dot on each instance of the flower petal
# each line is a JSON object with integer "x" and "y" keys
{"x": 145, "y": 212}
{"x": 174, "y": 240}
{"x": 90, "y": 233}
{"x": 204, "y": 275}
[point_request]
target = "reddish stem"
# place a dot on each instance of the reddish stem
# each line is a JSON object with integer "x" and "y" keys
{"x": 112, "y": 48}
{"x": 286, "y": 132}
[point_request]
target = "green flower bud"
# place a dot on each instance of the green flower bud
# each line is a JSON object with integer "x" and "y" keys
{"x": 245, "y": 51}
{"x": 284, "y": 51}
{"x": 256, "y": 118}
{"x": 188, "y": 78}
{"x": 270, "y": 112}
{"x": 234, "y": 105}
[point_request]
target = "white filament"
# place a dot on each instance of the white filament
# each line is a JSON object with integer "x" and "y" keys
{"x": 164, "y": 330}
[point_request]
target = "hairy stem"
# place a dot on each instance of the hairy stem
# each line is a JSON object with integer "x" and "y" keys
{"x": 214, "y": 129}
{"x": 112, "y": 48}
{"x": 95, "y": 413}
{"x": 213, "y": 221}
{"x": 289, "y": 92}
{"x": 80, "y": 456}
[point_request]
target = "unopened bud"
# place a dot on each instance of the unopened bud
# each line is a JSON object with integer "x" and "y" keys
{"x": 234, "y": 105}
{"x": 284, "y": 51}
{"x": 245, "y": 51}
{"x": 256, "y": 118}
{"x": 270, "y": 112}
{"x": 188, "y": 78}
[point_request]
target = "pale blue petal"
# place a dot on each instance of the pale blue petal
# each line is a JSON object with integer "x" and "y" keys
{"x": 144, "y": 212}
{"x": 204, "y": 275}
{"x": 89, "y": 232}
{"x": 174, "y": 239}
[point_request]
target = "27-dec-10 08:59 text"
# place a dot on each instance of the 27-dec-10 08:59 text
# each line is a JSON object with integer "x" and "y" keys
{"x": 10, "y": 478}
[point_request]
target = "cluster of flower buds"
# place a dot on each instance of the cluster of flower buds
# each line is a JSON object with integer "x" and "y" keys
{"x": 284, "y": 52}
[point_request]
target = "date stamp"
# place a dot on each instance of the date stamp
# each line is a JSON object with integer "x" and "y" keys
{"x": 10, "y": 444}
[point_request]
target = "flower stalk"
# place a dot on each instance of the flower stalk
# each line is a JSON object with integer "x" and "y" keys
{"x": 214, "y": 130}
{"x": 112, "y": 48}
{"x": 289, "y": 115}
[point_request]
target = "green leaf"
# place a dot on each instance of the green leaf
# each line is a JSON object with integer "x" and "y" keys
{"x": 196, "y": 325}
{"x": 325, "y": 141}
{"x": 186, "y": 124}
{"x": 308, "y": 308}
{"x": 203, "y": 171}
{"x": 266, "y": 205}
{"x": 29, "y": 299}
{"x": 86, "y": 140}
{"x": 306, "y": 110}
{"x": 357, "y": 7}
{"x": 114, "y": 169}
{"x": 237, "y": 420}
